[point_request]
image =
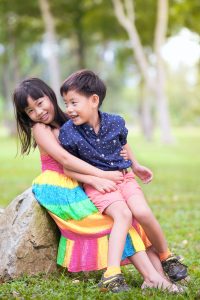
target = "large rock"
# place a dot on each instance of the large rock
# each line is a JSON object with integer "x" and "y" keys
{"x": 28, "y": 239}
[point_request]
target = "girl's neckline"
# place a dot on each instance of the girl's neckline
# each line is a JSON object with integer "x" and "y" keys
{"x": 44, "y": 154}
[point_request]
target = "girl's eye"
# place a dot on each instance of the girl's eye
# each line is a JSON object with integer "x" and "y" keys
{"x": 74, "y": 103}
{"x": 29, "y": 111}
{"x": 39, "y": 103}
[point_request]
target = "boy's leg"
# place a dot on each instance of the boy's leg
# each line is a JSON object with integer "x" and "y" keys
{"x": 145, "y": 217}
{"x": 142, "y": 212}
{"x": 113, "y": 205}
{"x": 122, "y": 220}
{"x": 112, "y": 279}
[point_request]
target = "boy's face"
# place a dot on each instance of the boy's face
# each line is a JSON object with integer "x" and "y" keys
{"x": 81, "y": 109}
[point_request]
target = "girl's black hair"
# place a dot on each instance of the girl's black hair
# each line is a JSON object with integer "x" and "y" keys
{"x": 35, "y": 88}
{"x": 85, "y": 82}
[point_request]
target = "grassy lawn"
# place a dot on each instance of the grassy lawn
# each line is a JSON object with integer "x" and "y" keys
{"x": 173, "y": 195}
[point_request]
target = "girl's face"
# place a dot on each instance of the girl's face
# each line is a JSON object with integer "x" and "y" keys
{"x": 40, "y": 110}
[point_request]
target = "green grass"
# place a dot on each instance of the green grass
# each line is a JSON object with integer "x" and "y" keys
{"x": 173, "y": 195}
{"x": 16, "y": 172}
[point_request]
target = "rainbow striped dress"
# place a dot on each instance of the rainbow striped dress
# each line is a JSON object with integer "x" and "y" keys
{"x": 84, "y": 231}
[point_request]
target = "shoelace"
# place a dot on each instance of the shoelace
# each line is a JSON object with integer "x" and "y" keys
{"x": 117, "y": 282}
{"x": 173, "y": 264}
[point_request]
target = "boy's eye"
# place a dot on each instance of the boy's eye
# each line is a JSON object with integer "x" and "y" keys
{"x": 39, "y": 103}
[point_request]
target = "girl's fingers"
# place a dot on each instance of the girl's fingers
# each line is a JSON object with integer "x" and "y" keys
{"x": 102, "y": 191}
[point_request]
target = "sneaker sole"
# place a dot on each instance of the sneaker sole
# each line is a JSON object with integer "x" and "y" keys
{"x": 178, "y": 278}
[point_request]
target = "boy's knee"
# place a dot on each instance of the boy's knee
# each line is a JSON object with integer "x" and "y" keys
{"x": 143, "y": 216}
{"x": 125, "y": 215}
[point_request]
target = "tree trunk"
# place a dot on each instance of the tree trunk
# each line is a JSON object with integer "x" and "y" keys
{"x": 11, "y": 77}
{"x": 51, "y": 41}
{"x": 146, "y": 112}
{"x": 80, "y": 50}
{"x": 126, "y": 16}
{"x": 162, "y": 101}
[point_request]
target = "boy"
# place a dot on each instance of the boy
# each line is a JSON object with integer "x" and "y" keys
{"x": 97, "y": 138}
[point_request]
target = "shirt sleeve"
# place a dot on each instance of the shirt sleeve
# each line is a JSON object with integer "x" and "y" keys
{"x": 123, "y": 132}
{"x": 66, "y": 140}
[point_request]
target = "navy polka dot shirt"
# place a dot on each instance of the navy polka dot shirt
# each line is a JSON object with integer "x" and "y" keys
{"x": 101, "y": 150}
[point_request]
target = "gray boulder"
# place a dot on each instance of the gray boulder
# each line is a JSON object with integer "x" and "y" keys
{"x": 28, "y": 239}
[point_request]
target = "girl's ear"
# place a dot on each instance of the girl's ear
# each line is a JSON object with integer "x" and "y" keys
{"x": 95, "y": 100}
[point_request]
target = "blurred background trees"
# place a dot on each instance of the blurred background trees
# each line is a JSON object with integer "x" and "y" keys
{"x": 147, "y": 52}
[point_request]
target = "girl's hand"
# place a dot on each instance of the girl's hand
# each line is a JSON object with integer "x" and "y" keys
{"x": 115, "y": 176}
{"x": 124, "y": 154}
{"x": 103, "y": 185}
{"x": 143, "y": 173}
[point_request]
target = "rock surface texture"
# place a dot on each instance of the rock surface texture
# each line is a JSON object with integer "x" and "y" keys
{"x": 28, "y": 239}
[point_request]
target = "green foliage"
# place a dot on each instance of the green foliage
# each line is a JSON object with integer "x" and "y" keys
{"x": 184, "y": 13}
{"x": 18, "y": 19}
{"x": 86, "y": 30}
{"x": 173, "y": 196}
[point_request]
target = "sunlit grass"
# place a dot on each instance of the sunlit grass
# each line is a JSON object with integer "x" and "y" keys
{"x": 174, "y": 196}
{"x": 16, "y": 172}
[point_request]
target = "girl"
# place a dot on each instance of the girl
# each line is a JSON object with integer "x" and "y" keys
{"x": 84, "y": 231}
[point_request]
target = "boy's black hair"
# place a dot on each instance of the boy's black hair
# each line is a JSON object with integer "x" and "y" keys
{"x": 35, "y": 88}
{"x": 86, "y": 83}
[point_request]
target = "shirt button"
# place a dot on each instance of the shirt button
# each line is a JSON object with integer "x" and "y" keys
{"x": 98, "y": 140}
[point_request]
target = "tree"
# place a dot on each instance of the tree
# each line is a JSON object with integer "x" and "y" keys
{"x": 125, "y": 13}
{"x": 15, "y": 39}
{"x": 51, "y": 43}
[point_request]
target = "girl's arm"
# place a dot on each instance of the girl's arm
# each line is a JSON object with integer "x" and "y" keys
{"x": 142, "y": 172}
{"x": 100, "y": 184}
{"x": 48, "y": 143}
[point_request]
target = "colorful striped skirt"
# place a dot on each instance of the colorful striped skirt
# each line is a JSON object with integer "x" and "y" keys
{"x": 84, "y": 231}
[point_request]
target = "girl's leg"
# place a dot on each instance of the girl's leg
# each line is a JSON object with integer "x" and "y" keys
{"x": 122, "y": 218}
{"x": 152, "y": 278}
{"x": 154, "y": 258}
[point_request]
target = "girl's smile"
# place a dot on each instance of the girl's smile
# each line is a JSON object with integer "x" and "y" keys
{"x": 40, "y": 110}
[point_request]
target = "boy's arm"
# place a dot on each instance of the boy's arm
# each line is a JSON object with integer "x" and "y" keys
{"x": 48, "y": 142}
{"x": 142, "y": 172}
{"x": 100, "y": 184}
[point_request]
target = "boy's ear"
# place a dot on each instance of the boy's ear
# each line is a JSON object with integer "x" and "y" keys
{"x": 95, "y": 100}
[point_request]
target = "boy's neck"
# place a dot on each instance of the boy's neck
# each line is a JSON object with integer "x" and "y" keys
{"x": 94, "y": 122}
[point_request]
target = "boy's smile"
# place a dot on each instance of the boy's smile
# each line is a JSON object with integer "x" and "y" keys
{"x": 82, "y": 109}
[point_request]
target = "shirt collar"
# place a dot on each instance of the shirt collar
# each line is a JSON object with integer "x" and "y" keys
{"x": 88, "y": 127}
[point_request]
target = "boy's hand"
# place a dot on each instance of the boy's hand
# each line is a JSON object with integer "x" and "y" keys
{"x": 115, "y": 176}
{"x": 124, "y": 154}
{"x": 143, "y": 173}
{"x": 104, "y": 185}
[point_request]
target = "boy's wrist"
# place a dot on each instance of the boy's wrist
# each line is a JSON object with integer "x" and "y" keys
{"x": 135, "y": 165}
